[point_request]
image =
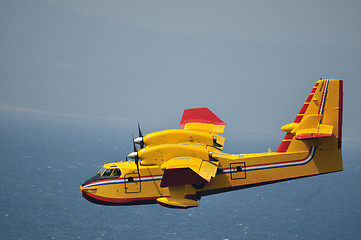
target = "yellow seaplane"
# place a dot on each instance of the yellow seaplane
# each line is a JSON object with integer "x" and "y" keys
{"x": 175, "y": 168}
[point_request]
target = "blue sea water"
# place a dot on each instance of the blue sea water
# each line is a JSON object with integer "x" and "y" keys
{"x": 44, "y": 159}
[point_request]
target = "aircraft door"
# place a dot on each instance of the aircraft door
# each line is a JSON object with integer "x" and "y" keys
{"x": 132, "y": 183}
{"x": 238, "y": 170}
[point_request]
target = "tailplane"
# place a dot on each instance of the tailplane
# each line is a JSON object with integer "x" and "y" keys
{"x": 319, "y": 122}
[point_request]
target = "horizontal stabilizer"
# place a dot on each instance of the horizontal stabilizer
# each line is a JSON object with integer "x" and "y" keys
{"x": 319, "y": 119}
{"x": 311, "y": 136}
{"x": 309, "y": 128}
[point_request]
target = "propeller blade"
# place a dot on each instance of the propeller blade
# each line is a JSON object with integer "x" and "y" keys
{"x": 137, "y": 163}
{"x": 134, "y": 147}
{"x": 139, "y": 131}
{"x": 141, "y": 143}
{"x": 135, "y": 154}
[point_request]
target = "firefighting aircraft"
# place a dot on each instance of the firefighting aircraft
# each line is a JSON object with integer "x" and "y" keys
{"x": 175, "y": 168}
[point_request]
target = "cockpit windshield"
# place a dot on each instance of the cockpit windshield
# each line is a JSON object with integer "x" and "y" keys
{"x": 101, "y": 171}
{"x": 109, "y": 172}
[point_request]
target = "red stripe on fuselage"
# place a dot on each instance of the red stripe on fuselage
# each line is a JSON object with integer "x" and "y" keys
{"x": 117, "y": 201}
{"x": 291, "y": 161}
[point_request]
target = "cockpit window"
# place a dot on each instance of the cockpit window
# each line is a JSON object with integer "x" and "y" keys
{"x": 107, "y": 172}
{"x": 101, "y": 171}
{"x": 116, "y": 172}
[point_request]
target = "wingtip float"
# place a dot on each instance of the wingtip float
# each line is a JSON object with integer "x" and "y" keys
{"x": 175, "y": 168}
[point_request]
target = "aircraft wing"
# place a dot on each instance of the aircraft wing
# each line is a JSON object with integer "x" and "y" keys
{"x": 201, "y": 119}
{"x": 187, "y": 170}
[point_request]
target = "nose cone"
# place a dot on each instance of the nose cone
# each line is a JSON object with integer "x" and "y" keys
{"x": 133, "y": 155}
{"x": 138, "y": 140}
{"x": 83, "y": 193}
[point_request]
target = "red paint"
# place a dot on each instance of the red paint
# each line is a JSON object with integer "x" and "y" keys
{"x": 200, "y": 115}
{"x": 116, "y": 200}
{"x": 315, "y": 87}
{"x": 298, "y": 119}
{"x": 288, "y": 136}
{"x": 309, "y": 98}
{"x": 283, "y": 146}
{"x": 311, "y": 136}
{"x": 292, "y": 161}
{"x": 303, "y": 109}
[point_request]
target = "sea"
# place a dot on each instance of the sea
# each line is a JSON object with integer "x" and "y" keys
{"x": 44, "y": 158}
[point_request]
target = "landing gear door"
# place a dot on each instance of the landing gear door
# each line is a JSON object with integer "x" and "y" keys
{"x": 132, "y": 183}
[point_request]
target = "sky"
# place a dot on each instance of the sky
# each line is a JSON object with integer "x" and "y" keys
{"x": 253, "y": 63}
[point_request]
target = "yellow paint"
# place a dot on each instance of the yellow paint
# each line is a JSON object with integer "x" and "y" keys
{"x": 204, "y": 127}
{"x": 289, "y": 127}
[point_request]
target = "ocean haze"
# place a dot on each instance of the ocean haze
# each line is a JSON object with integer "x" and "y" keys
{"x": 44, "y": 161}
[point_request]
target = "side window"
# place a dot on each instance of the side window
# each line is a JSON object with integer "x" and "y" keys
{"x": 116, "y": 172}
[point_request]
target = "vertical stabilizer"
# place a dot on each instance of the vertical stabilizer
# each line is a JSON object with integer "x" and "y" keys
{"x": 319, "y": 122}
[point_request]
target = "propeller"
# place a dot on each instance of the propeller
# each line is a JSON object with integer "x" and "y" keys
{"x": 134, "y": 155}
{"x": 139, "y": 140}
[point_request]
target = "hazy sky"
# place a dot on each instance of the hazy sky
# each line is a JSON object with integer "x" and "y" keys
{"x": 251, "y": 62}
